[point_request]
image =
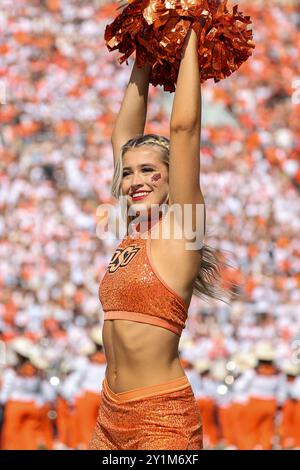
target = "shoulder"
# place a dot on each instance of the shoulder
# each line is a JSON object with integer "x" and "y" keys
{"x": 172, "y": 249}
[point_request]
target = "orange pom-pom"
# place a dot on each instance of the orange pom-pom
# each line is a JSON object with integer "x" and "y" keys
{"x": 156, "y": 30}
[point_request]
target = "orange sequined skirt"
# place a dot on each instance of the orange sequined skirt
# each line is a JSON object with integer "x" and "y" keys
{"x": 163, "y": 416}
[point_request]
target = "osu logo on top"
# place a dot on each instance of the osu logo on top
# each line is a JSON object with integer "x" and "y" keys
{"x": 122, "y": 257}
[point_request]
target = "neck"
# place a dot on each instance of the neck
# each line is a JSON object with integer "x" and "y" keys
{"x": 146, "y": 222}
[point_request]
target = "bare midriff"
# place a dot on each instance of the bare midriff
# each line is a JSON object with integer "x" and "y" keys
{"x": 139, "y": 355}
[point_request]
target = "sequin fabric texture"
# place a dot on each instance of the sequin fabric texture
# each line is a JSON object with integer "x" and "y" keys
{"x": 132, "y": 289}
{"x": 168, "y": 420}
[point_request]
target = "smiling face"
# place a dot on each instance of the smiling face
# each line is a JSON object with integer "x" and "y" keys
{"x": 143, "y": 170}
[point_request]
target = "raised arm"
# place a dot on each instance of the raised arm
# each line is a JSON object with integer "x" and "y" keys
{"x": 131, "y": 118}
{"x": 185, "y": 131}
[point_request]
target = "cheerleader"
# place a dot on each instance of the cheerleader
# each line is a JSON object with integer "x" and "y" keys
{"x": 147, "y": 401}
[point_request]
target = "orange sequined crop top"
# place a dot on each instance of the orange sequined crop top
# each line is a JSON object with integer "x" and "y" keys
{"x": 132, "y": 289}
